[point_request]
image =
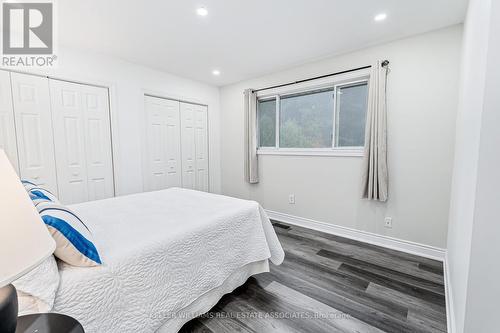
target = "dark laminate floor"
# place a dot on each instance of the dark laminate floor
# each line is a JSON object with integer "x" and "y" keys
{"x": 333, "y": 284}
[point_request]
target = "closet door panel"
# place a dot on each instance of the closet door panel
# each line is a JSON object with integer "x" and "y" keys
{"x": 7, "y": 126}
{"x": 68, "y": 122}
{"x": 163, "y": 158}
{"x": 34, "y": 129}
{"x": 201, "y": 147}
{"x": 156, "y": 163}
{"x": 97, "y": 126}
{"x": 173, "y": 148}
{"x": 188, "y": 145}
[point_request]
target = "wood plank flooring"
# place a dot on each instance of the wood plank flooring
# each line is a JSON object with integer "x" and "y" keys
{"x": 332, "y": 284}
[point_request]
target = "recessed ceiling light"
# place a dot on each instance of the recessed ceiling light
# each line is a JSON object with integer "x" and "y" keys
{"x": 202, "y": 11}
{"x": 216, "y": 72}
{"x": 380, "y": 17}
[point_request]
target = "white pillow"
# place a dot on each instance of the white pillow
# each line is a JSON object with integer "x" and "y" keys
{"x": 36, "y": 290}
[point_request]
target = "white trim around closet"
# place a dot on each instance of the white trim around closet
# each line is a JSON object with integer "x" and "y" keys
{"x": 113, "y": 115}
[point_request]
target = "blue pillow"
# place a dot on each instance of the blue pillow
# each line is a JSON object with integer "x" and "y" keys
{"x": 74, "y": 243}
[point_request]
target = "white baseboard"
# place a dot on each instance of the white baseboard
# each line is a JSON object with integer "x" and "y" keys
{"x": 450, "y": 312}
{"x": 363, "y": 236}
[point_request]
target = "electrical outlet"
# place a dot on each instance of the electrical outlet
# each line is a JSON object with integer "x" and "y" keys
{"x": 291, "y": 199}
{"x": 388, "y": 222}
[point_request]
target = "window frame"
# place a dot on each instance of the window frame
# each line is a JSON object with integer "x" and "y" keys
{"x": 334, "y": 83}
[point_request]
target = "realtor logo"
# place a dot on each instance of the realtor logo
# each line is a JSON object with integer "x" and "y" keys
{"x": 27, "y": 28}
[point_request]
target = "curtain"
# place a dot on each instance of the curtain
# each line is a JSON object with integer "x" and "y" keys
{"x": 251, "y": 158}
{"x": 375, "y": 175}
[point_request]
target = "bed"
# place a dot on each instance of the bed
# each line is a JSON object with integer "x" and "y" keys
{"x": 168, "y": 256}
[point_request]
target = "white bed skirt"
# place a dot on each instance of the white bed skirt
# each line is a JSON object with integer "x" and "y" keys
{"x": 204, "y": 303}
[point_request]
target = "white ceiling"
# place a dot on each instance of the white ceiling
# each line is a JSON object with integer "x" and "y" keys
{"x": 243, "y": 39}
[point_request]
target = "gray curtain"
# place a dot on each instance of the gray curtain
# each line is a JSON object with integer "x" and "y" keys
{"x": 375, "y": 175}
{"x": 251, "y": 158}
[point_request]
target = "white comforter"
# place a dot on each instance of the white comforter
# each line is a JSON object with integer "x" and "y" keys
{"x": 161, "y": 250}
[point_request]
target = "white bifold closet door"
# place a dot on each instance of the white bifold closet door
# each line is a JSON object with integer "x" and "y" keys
{"x": 176, "y": 145}
{"x": 35, "y": 142}
{"x": 82, "y": 141}
{"x": 7, "y": 125}
{"x": 163, "y": 150}
{"x": 194, "y": 143}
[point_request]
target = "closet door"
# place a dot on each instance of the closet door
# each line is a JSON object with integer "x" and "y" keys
{"x": 68, "y": 122}
{"x": 194, "y": 143}
{"x": 201, "y": 147}
{"x": 82, "y": 141}
{"x": 34, "y": 129}
{"x": 163, "y": 152}
{"x": 7, "y": 126}
{"x": 97, "y": 127}
{"x": 188, "y": 145}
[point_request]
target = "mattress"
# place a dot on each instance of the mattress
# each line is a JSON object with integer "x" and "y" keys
{"x": 161, "y": 252}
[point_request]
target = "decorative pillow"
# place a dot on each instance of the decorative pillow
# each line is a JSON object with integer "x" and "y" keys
{"x": 38, "y": 195}
{"x": 37, "y": 192}
{"x": 74, "y": 244}
{"x": 27, "y": 182}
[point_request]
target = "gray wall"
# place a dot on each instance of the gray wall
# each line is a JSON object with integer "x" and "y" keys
{"x": 422, "y": 98}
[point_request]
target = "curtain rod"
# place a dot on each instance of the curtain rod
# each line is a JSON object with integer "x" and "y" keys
{"x": 384, "y": 64}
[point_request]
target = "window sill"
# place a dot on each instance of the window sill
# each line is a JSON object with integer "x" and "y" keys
{"x": 308, "y": 152}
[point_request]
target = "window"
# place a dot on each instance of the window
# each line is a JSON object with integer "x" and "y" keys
{"x": 326, "y": 120}
{"x": 267, "y": 123}
{"x": 306, "y": 120}
{"x": 350, "y": 117}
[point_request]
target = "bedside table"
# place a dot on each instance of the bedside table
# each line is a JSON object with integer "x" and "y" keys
{"x": 48, "y": 323}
